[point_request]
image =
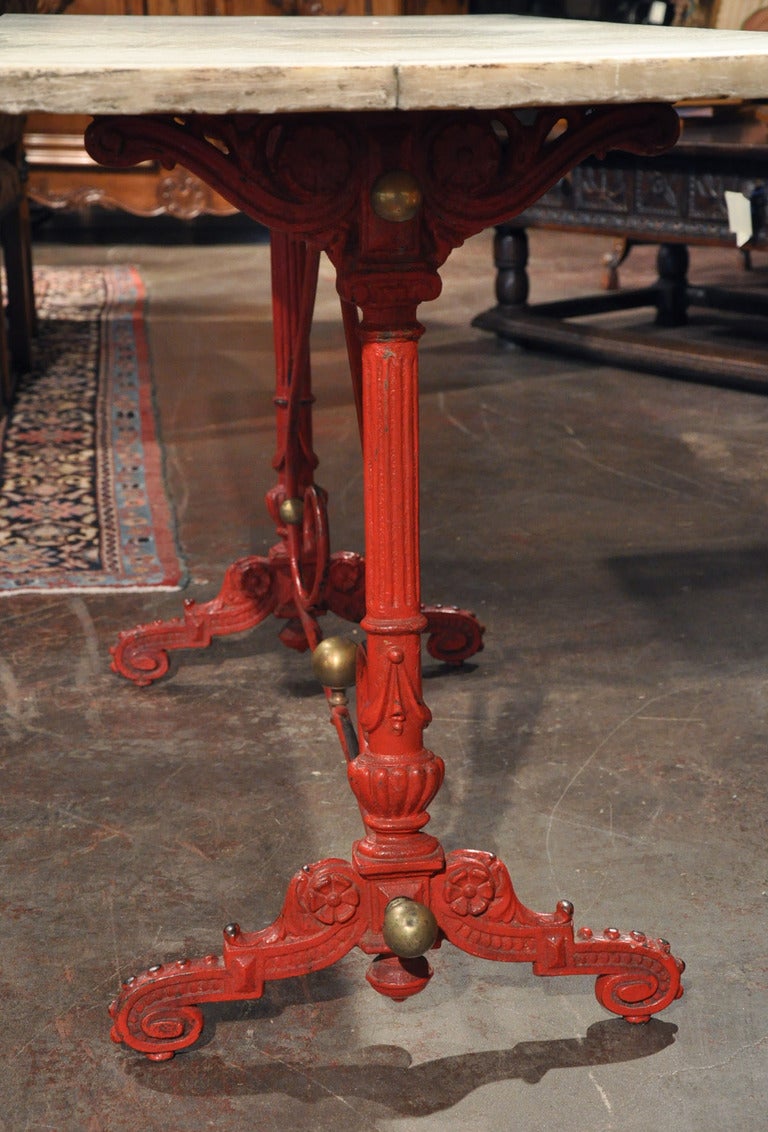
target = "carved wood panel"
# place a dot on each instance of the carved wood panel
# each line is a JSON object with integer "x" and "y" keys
{"x": 675, "y": 197}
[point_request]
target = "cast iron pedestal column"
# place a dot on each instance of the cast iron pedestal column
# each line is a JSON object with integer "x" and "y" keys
{"x": 388, "y": 196}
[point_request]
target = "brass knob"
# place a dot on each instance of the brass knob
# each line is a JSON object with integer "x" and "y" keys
{"x": 410, "y": 929}
{"x": 396, "y": 196}
{"x": 291, "y": 512}
{"x": 334, "y": 662}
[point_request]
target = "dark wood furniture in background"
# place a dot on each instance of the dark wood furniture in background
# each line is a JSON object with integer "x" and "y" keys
{"x": 674, "y": 201}
{"x": 17, "y": 320}
{"x": 17, "y": 324}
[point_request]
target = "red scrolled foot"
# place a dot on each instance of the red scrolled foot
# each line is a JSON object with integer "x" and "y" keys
{"x": 477, "y": 910}
{"x": 454, "y": 635}
{"x": 247, "y": 596}
{"x": 157, "y": 1013}
{"x": 636, "y": 976}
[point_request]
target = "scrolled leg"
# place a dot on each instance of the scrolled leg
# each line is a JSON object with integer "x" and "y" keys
{"x": 478, "y": 911}
{"x": 157, "y": 1013}
{"x": 246, "y": 597}
{"x": 637, "y": 976}
{"x": 453, "y": 634}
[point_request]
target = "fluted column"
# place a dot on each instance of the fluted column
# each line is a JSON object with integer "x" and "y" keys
{"x": 394, "y": 777}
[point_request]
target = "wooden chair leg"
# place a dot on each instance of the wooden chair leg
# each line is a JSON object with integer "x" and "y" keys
{"x": 510, "y": 255}
{"x": 672, "y": 296}
{"x": 6, "y": 373}
{"x": 15, "y": 232}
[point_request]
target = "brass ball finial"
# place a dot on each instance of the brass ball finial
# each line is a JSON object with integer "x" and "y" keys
{"x": 410, "y": 928}
{"x": 334, "y": 662}
{"x": 291, "y": 512}
{"x": 396, "y": 196}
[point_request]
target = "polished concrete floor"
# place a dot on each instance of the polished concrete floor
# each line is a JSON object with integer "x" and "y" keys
{"x": 609, "y": 744}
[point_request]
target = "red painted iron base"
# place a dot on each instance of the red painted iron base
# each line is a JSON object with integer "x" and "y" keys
{"x": 257, "y": 586}
{"x": 332, "y": 907}
{"x": 387, "y": 196}
{"x": 299, "y": 580}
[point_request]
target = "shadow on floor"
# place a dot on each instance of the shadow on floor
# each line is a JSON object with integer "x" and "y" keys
{"x": 385, "y": 1075}
{"x": 706, "y": 599}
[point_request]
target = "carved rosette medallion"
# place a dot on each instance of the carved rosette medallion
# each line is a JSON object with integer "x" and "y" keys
{"x": 466, "y": 156}
{"x": 346, "y": 585}
{"x": 332, "y": 897}
{"x": 476, "y": 884}
{"x": 313, "y": 161}
{"x": 182, "y": 195}
{"x": 469, "y": 888}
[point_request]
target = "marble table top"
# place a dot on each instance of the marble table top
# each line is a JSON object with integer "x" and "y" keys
{"x": 135, "y": 65}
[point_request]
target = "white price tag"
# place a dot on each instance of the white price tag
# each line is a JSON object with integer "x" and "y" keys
{"x": 739, "y": 216}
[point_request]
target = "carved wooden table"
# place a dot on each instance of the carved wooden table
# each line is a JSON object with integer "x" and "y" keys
{"x": 674, "y": 200}
{"x": 386, "y": 144}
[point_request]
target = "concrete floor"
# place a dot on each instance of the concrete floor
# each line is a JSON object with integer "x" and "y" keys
{"x": 609, "y": 744}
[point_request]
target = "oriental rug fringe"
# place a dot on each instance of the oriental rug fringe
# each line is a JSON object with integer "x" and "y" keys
{"x": 83, "y": 505}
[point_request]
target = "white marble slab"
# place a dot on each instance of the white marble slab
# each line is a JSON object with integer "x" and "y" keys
{"x": 112, "y": 64}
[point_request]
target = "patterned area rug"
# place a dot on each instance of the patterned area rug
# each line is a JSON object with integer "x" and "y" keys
{"x": 82, "y": 500}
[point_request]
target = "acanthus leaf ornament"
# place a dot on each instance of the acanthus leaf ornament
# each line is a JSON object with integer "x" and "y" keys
{"x": 395, "y": 701}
